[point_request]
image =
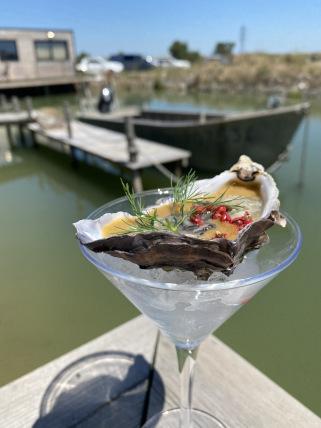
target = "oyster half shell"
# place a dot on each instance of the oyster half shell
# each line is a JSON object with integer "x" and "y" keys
{"x": 160, "y": 249}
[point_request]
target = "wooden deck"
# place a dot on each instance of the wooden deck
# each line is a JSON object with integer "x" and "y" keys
{"x": 112, "y": 147}
{"x": 43, "y": 81}
{"x": 129, "y": 374}
{"x": 17, "y": 118}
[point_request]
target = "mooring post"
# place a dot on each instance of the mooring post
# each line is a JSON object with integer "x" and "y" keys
{"x": 304, "y": 150}
{"x": 137, "y": 181}
{"x": 88, "y": 96}
{"x": 202, "y": 117}
{"x": 67, "y": 117}
{"x": 15, "y": 103}
{"x": 178, "y": 169}
{"x": 9, "y": 136}
{"x": 130, "y": 135}
{"x": 21, "y": 135}
{"x": 33, "y": 139}
{"x": 82, "y": 105}
{"x": 29, "y": 107}
{"x": 3, "y": 102}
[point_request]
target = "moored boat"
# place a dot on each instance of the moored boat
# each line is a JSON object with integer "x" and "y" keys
{"x": 215, "y": 140}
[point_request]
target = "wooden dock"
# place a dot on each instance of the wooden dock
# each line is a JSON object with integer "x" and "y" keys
{"x": 127, "y": 153}
{"x": 12, "y": 115}
{"x": 129, "y": 374}
{"x": 19, "y": 119}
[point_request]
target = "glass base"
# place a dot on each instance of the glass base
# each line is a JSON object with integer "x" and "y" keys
{"x": 171, "y": 419}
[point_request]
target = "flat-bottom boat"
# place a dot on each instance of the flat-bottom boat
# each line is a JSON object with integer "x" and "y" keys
{"x": 215, "y": 140}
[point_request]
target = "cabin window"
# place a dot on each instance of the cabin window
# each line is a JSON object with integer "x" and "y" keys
{"x": 51, "y": 50}
{"x": 8, "y": 50}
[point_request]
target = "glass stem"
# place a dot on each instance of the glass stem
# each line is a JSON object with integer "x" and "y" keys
{"x": 186, "y": 363}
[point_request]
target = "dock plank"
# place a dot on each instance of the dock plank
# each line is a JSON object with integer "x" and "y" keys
{"x": 226, "y": 385}
{"x": 112, "y": 146}
{"x": 16, "y": 118}
{"x": 230, "y": 388}
{"x": 24, "y": 403}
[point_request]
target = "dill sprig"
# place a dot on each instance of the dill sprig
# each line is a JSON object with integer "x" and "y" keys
{"x": 136, "y": 203}
{"x": 183, "y": 192}
{"x": 206, "y": 200}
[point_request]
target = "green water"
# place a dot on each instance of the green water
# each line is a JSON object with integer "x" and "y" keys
{"x": 52, "y": 300}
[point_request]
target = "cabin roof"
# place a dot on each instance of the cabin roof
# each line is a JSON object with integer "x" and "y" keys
{"x": 64, "y": 30}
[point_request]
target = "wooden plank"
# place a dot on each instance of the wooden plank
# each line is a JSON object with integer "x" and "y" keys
{"x": 73, "y": 391}
{"x": 112, "y": 146}
{"x": 16, "y": 118}
{"x": 90, "y": 386}
{"x": 41, "y": 81}
{"x": 230, "y": 388}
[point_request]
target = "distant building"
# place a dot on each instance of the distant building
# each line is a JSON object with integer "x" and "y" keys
{"x": 34, "y": 57}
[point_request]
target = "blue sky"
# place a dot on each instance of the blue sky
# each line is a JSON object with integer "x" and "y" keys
{"x": 149, "y": 26}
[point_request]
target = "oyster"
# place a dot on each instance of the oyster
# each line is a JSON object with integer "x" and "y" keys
{"x": 227, "y": 218}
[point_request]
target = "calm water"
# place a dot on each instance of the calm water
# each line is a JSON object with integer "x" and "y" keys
{"x": 52, "y": 300}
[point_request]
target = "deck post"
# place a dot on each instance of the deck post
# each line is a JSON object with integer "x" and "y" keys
{"x": 9, "y": 136}
{"x": 3, "y": 102}
{"x": 202, "y": 117}
{"x": 67, "y": 117}
{"x": 178, "y": 169}
{"x": 88, "y": 96}
{"x": 21, "y": 135}
{"x": 29, "y": 107}
{"x": 130, "y": 135}
{"x": 74, "y": 160}
{"x": 137, "y": 181}
{"x": 33, "y": 139}
{"x": 16, "y": 104}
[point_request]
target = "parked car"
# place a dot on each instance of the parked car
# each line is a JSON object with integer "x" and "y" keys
{"x": 134, "y": 62}
{"x": 171, "y": 63}
{"x": 98, "y": 65}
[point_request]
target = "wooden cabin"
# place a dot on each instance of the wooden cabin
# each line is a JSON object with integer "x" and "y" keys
{"x": 36, "y": 57}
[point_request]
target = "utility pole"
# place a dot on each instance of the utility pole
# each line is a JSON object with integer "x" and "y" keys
{"x": 242, "y": 38}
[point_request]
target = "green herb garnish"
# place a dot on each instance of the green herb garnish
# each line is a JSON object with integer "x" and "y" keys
{"x": 183, "y": 192}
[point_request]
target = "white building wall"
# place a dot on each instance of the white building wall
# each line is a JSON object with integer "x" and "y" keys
{"x": 27, "y": 66}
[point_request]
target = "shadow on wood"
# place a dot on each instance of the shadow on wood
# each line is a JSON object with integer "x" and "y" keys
{"x": 105, "y": 389}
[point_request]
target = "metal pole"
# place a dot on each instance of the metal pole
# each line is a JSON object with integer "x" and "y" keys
{"x": 130, "y": 135}
{"x": 305, "y": 139}
{"x": 67, "y": 117}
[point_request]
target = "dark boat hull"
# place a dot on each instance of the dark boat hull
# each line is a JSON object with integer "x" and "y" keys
{"x": 216, "y": 142}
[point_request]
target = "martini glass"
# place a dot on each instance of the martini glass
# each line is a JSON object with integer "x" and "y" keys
{"x": 186, "y": 310}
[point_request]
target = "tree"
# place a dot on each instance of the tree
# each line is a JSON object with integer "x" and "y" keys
{"x": 81, "y": 55}
{"x": 179, "y": 50}
{"x": 224, "y": 48}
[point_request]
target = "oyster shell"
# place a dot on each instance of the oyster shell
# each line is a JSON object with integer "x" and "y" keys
{"x": 159, "y": 249}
